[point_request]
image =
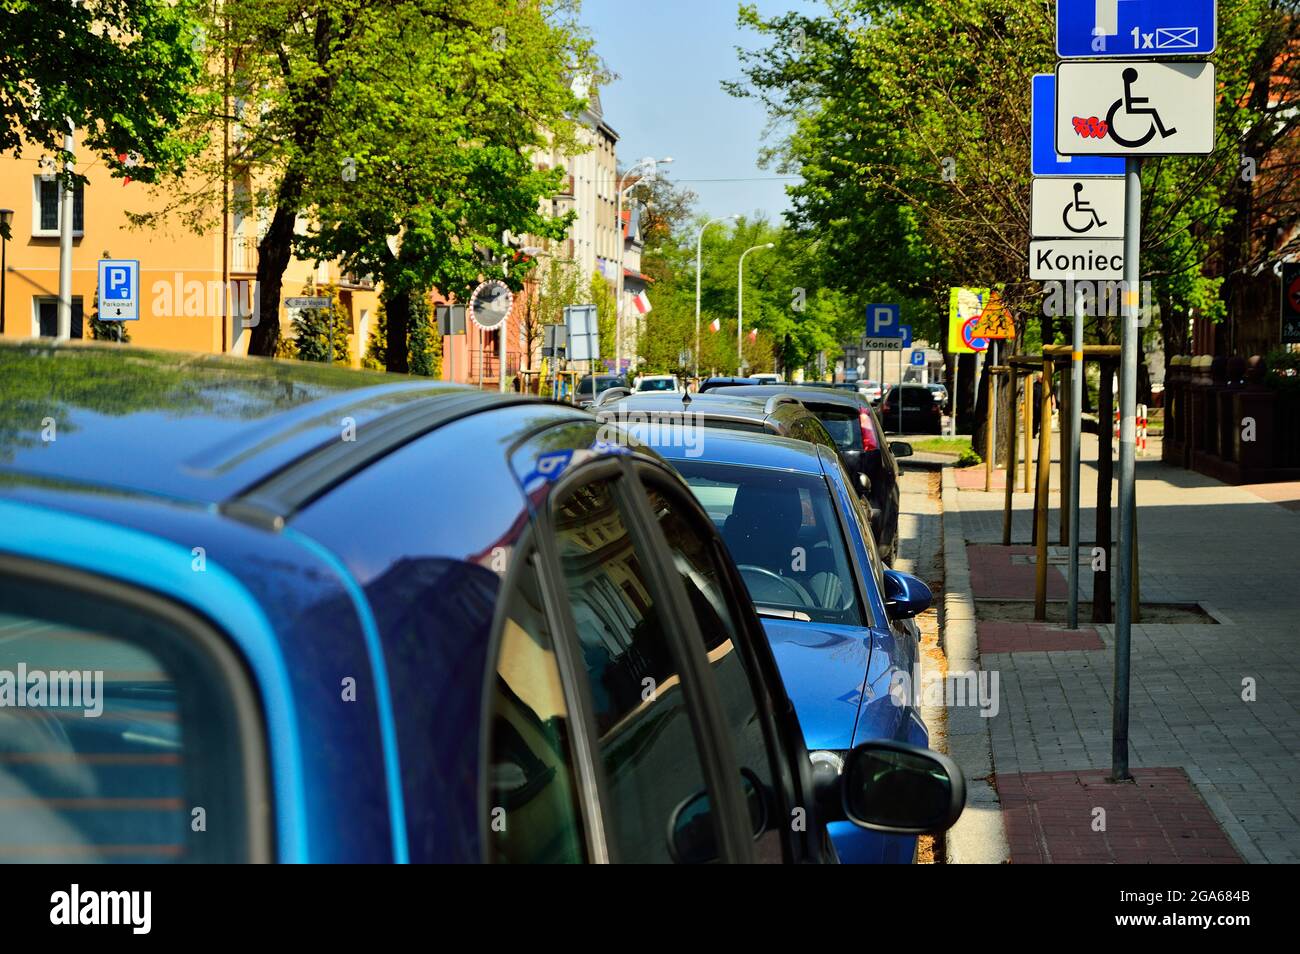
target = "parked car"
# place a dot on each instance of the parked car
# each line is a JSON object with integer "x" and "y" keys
{"x": 708, "y": 384}
{"x": 852, "y": 423}
{"x": 940, "y": 394}
{"x": 356, "y": 617}
{"x": 840, "y": 623}
{"x": 921, "y": 413}
{"x": 591, "y": 386}
{"x": 658, "y": 382}
{"x": 778, "y": 413}
{"x": 872, "y": 389}
{"x": 767, "y": 377}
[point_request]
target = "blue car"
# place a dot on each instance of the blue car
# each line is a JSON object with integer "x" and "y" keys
{"x": 267, "y": 611}
{"x": 839, "y": 622}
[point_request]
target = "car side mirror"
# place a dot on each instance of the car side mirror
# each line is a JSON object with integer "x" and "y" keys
{"x": 901, "y": 789}
{"x": 905, "y": 595}
{"x": 693, "y": 833}
{"x": 900, "y": 449}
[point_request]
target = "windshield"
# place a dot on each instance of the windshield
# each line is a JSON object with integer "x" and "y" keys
{"x": 585, "y": 386}
{"x": 783, "y": 533}
{"x": 657, "y": 384}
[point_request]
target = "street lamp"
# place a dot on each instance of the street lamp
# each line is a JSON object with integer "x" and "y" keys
{"x": 699, "y": 251}
{"x": 7, "y": 221}
{"x": 647, "y": 163}
{"x": 740, "y": 302}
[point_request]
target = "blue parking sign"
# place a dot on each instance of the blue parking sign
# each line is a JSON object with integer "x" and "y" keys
{"x": 119, "y": 289}
{"x": 1105, "y": 29}
{"x": 884, "y": 321}
{"x": 918, "y": 359}
{"x": 1045, "y": 161}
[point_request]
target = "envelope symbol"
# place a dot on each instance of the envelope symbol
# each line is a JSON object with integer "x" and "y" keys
{"x": 1177, "y": 38}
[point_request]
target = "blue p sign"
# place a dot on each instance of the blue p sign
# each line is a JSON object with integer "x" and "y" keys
{"x": 883, "y": 321}
{"x": 119, "y": 282}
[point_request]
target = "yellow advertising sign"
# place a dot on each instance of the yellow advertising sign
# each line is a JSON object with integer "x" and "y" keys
{"x": 965, "y": 306}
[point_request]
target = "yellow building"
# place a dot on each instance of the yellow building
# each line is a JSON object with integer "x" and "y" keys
{"x": 182, "y": 275}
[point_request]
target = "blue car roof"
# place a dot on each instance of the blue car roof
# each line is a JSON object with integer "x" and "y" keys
{"x": 194, "y": 427}
{"x": 674, "y": 442}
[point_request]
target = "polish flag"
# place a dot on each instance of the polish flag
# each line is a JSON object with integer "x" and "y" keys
{"x": 642, "y": 303}
{"x": 715, "y": 325}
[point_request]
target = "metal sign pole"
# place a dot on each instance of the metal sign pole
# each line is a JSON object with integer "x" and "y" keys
{"x": 1127, "y": 460}
{"x": 1076, "y": 444}
{"x": 900, "y": 387}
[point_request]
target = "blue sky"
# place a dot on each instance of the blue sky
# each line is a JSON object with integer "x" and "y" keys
{"x": 671, "y": 56}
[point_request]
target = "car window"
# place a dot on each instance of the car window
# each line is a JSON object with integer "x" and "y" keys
{"x": 781, "y": 530}
{"x": 697, "y": 564}
{"x": 120, "y": 740}
{"x": 533, "y": 811}
{"x": 645, "y": 736}
{"x": 843, "y": 426}
{"x": 656, "y": 384}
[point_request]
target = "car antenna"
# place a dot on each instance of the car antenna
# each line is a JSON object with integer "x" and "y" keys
{"x": 686, "y": 399}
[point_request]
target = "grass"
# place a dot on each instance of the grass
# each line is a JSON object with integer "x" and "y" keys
{"x": 942, "y": 445}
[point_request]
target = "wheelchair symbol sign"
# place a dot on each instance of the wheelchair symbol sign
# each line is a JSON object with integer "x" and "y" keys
{"x": 1077, "y": 208}
{"x": 1134, "y": 108}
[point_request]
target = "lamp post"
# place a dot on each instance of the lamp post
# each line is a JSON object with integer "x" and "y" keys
{"x": 7, "y": 220}
{"x": 740, "y": 302}
{"x": 649, "y": 163}
{"x": 699, "y": 252}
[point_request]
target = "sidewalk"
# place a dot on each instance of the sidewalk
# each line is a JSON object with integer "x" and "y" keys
{"x": 1215, "y": 715}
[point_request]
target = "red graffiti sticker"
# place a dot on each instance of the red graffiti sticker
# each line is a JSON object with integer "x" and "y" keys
{"x": 1091, "y": 128}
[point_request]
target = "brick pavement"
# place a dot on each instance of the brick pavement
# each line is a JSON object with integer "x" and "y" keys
{"x": 1219, "y": 703}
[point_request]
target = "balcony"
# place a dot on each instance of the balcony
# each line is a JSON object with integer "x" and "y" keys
{"x": 243, "y": 254}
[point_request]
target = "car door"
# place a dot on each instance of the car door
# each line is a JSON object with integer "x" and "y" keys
{"x": 663, "y": 765}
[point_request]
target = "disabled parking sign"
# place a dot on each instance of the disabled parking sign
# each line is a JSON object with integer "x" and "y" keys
{"x": 1132, "y": 108}
{"x": 119, "y": 289}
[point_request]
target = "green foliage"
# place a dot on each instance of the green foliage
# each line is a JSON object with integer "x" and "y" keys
{"x": 376, "y": 356}
{"x": 968, "y": 458}
{"x": 1283, "y": 370}
{"x": 126, "y": 72}
{"x": 908, "y": 122}
{"x": 314, "y": 327}
{"x": 424, "y": 345}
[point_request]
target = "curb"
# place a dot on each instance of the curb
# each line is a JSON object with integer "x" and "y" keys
{"x": 980, "y": 836}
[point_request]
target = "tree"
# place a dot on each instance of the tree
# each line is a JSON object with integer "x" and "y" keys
{"x": 424, "y": 345}
{"x": 319, "y": 333}
{"x": 399, "y": 131}
{"x": 125, "y": 72}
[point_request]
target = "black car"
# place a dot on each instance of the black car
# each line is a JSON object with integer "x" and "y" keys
{"x": 590, "y": 387}
{"x": 709, "y": 384}
{"x": 778, "y": 413}
{"x": 852, "y": 423}
{"x": 921, "y": 413}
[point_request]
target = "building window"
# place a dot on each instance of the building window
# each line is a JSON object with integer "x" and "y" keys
{"x": 46, "y": 217}
{"x": 45, "y": 317}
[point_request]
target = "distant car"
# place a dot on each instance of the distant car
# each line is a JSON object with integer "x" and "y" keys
{"x": 921, "y": 414}
{"x": 767, "y": 378}
{"x": 658, "y": 382}
{"x": 708, "y": 384}
{"x": 852, "y": 423}
{"x": 590, "y": 387}
{"x": 871, "y": 389}
{"x": 940, "y": 394}
{"x": 840, "y": 623}
{"x": 339, "y": 665}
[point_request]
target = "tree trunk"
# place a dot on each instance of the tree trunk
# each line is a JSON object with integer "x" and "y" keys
{"x": 273, "y": 254}
{"x": 964, "y": 412}
{"x": 398, "y": 310}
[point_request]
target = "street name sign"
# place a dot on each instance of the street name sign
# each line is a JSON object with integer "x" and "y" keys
{"x": 307, "y": 302}
{"x": 1128, "y": 108}
{"x": 1053, "y": 260}
{"x": 119, "y": 289}
{"x": 1097, "y": 29}
{"x": 1045, "y": 159}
